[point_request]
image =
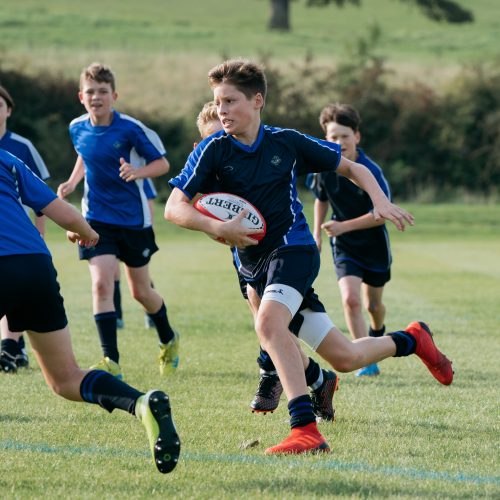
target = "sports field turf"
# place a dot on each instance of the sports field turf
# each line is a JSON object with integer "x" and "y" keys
{"x": 399, "y": 435}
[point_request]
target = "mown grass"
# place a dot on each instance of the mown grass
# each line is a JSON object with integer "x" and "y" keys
{"x": 401, "y": 435}
{"x": 162, "y": 50}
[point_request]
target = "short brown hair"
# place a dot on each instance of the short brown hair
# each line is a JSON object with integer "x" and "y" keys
{"x": 207, "y": 114}
{"x": 343, "y": 114}
{"x": 99, "y": 73}
{"x": 246, "y": 76}
{"x": 7, "y": 97}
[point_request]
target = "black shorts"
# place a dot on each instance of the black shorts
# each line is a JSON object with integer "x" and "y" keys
{"x": 29, "y": 294}
{"x": 371, "y": 278}
{"x": 134, "y": 247}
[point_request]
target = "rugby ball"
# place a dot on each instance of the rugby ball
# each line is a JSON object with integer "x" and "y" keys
{"x": 226, "y": 206}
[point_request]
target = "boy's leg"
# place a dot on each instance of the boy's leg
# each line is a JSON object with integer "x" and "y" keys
{"x": 55, "y": 356}
{"x": 272, "y": 323}
{"x": 372, "y": 296}
{"x": 350, "y": 291}
{"x": 140, "y": 287}
{"x": 102, "y": 269}
{"x": 117, "y": 297}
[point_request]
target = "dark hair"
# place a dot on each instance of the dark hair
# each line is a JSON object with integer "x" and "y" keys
{"x": 7, "y": 97}
{"x": 99, "y": 73}
{"x": 343, "y": 114}
{"x": 246, "y": 76}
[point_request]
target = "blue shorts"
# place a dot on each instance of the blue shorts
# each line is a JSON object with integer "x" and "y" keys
{"x": 29, "y": 294}
{"x": 371, "y": 278}
{"x": 134, "y": 247}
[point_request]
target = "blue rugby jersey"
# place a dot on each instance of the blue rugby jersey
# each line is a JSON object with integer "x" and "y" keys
{"x": 369, "y": 248}
{"x": 23, "y": 148}
{"x": 108, "y": 198}
{"x": 264, "y": 174}
{"x": 19, "y": 185}
{"x": 149, "y": 189}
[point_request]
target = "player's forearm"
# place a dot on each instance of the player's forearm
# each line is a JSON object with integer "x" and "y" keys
{"x": 78, "y": 172}
{"x": 320, "y": 211}
{"x": 66, "y": 216}
{"x": 361, "y": 176}
{"x": 154, "y": 169}
{"x": 366, "y": 221}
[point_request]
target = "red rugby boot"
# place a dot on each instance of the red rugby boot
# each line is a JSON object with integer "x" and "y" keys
{"x": 437, "y": 363}
{"x": 305, "y": 439}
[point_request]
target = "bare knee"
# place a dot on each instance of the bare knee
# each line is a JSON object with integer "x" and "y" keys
{"x": 101, "y": 288}
{"x": 140, "y": 293}
{"x": 374, "y": 308}
{"x": 352, "y": 302}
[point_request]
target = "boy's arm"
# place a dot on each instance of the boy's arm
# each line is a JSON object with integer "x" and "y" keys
{"x": 335, "y": 228}
{"x": 320, "y": 211}
{"x": 382, "y": 207}
{"x": 180, "y": 211}
{"x": 155, "y": 168}
{"x": 78, "y": 173}
{"x": 69, "y": 218}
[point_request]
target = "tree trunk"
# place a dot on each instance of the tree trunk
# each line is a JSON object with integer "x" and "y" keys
{"x": 280, "y": 15}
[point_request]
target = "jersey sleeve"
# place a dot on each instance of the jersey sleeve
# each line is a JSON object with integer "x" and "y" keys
{"x": 148, "y": 144}
{"x": 197, "y": 176}
{"x": 35, "y": 162}
{"x": 33, "y": 192}
{"x": 315, "y": 155}
{"x": 315, "y": 183}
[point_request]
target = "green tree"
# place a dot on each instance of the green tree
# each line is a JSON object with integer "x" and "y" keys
{"x": 438, "y": 10}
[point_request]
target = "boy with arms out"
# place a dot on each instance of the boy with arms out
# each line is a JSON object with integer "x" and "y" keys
{"x": 260, "y": 163}
{"x": 109, "y": 145}
{"x": 13, "y": 353}
{"x": 360, "y": 244}
{"x": 322, "y": 383}
{"x": 31, "y": 301}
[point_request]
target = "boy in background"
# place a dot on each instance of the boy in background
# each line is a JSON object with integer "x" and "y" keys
{"x": 117, "y": 153}
{"x": 360, "y": 244}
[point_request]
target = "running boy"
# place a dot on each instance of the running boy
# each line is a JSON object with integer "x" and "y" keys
{"x": 360, "y": 244}
{"x": 109, "y": 146}
{"x": 13, "y": 354}
{"x": 322, "y": 383}
{"x": 30, "y": 299}
{"x": 260, "y": 163}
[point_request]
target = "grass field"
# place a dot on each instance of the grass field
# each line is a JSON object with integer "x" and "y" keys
{"x": 401, "y": 435}
{"x": 170, "y": 45}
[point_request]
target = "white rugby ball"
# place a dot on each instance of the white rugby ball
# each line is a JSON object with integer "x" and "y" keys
{"x": 226, "y": 206}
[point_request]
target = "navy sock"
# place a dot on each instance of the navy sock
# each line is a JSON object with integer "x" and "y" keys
{"x": 376, "y": 333}
{"x": 117, "y": 300}
{"x": 20, "y": 343}
{"x": 160, "y": 320}
{"x": 265, "y": 362}
{"x": 106, "y": 326}
{"x": 10, "y": 346}
{"x": 101, "y": 388}
{"x": 301, "y": 411}
{"x": 313, "y": 372}
{"x": 405, "y": 343}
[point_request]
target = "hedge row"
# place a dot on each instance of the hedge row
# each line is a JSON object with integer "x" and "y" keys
{"x": 438, "y": 145}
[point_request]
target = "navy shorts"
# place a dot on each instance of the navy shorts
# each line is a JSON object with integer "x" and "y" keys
{"x": 295, "y": 266}
{"x": 371, "y": 278}
{"x": 29, "y": 294}
{"x": 134, "y": 247}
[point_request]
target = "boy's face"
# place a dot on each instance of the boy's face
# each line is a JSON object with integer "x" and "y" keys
{"x": 345, "y": 137}
{"x": 238, "y": 114}
{"x": 4, "y": 111}
{"x": 98, "y": 99}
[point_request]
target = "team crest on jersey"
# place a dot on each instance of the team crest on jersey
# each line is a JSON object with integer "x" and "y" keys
{"x": 117, "y": 145}
{"x": 228, "y": 168}
{"x": 276, "y": 160}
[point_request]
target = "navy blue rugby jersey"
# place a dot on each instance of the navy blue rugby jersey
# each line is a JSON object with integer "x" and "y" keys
{"x": 369, "y": 248}
{"x": 265, "y": 174}
{"x": 19, "y": 185}
{"x": 107, "y": 197}
{"x": 23, "y": 148}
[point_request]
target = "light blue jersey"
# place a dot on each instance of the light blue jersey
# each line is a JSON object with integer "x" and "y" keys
{"x": 107, "y": 197}
{"x": 18, "y": 186}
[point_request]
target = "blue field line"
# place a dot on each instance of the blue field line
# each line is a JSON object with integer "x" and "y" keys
{"x": 267, "y": 461}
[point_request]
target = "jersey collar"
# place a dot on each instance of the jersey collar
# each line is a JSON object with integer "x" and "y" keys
{"x": 254, "y": 146}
